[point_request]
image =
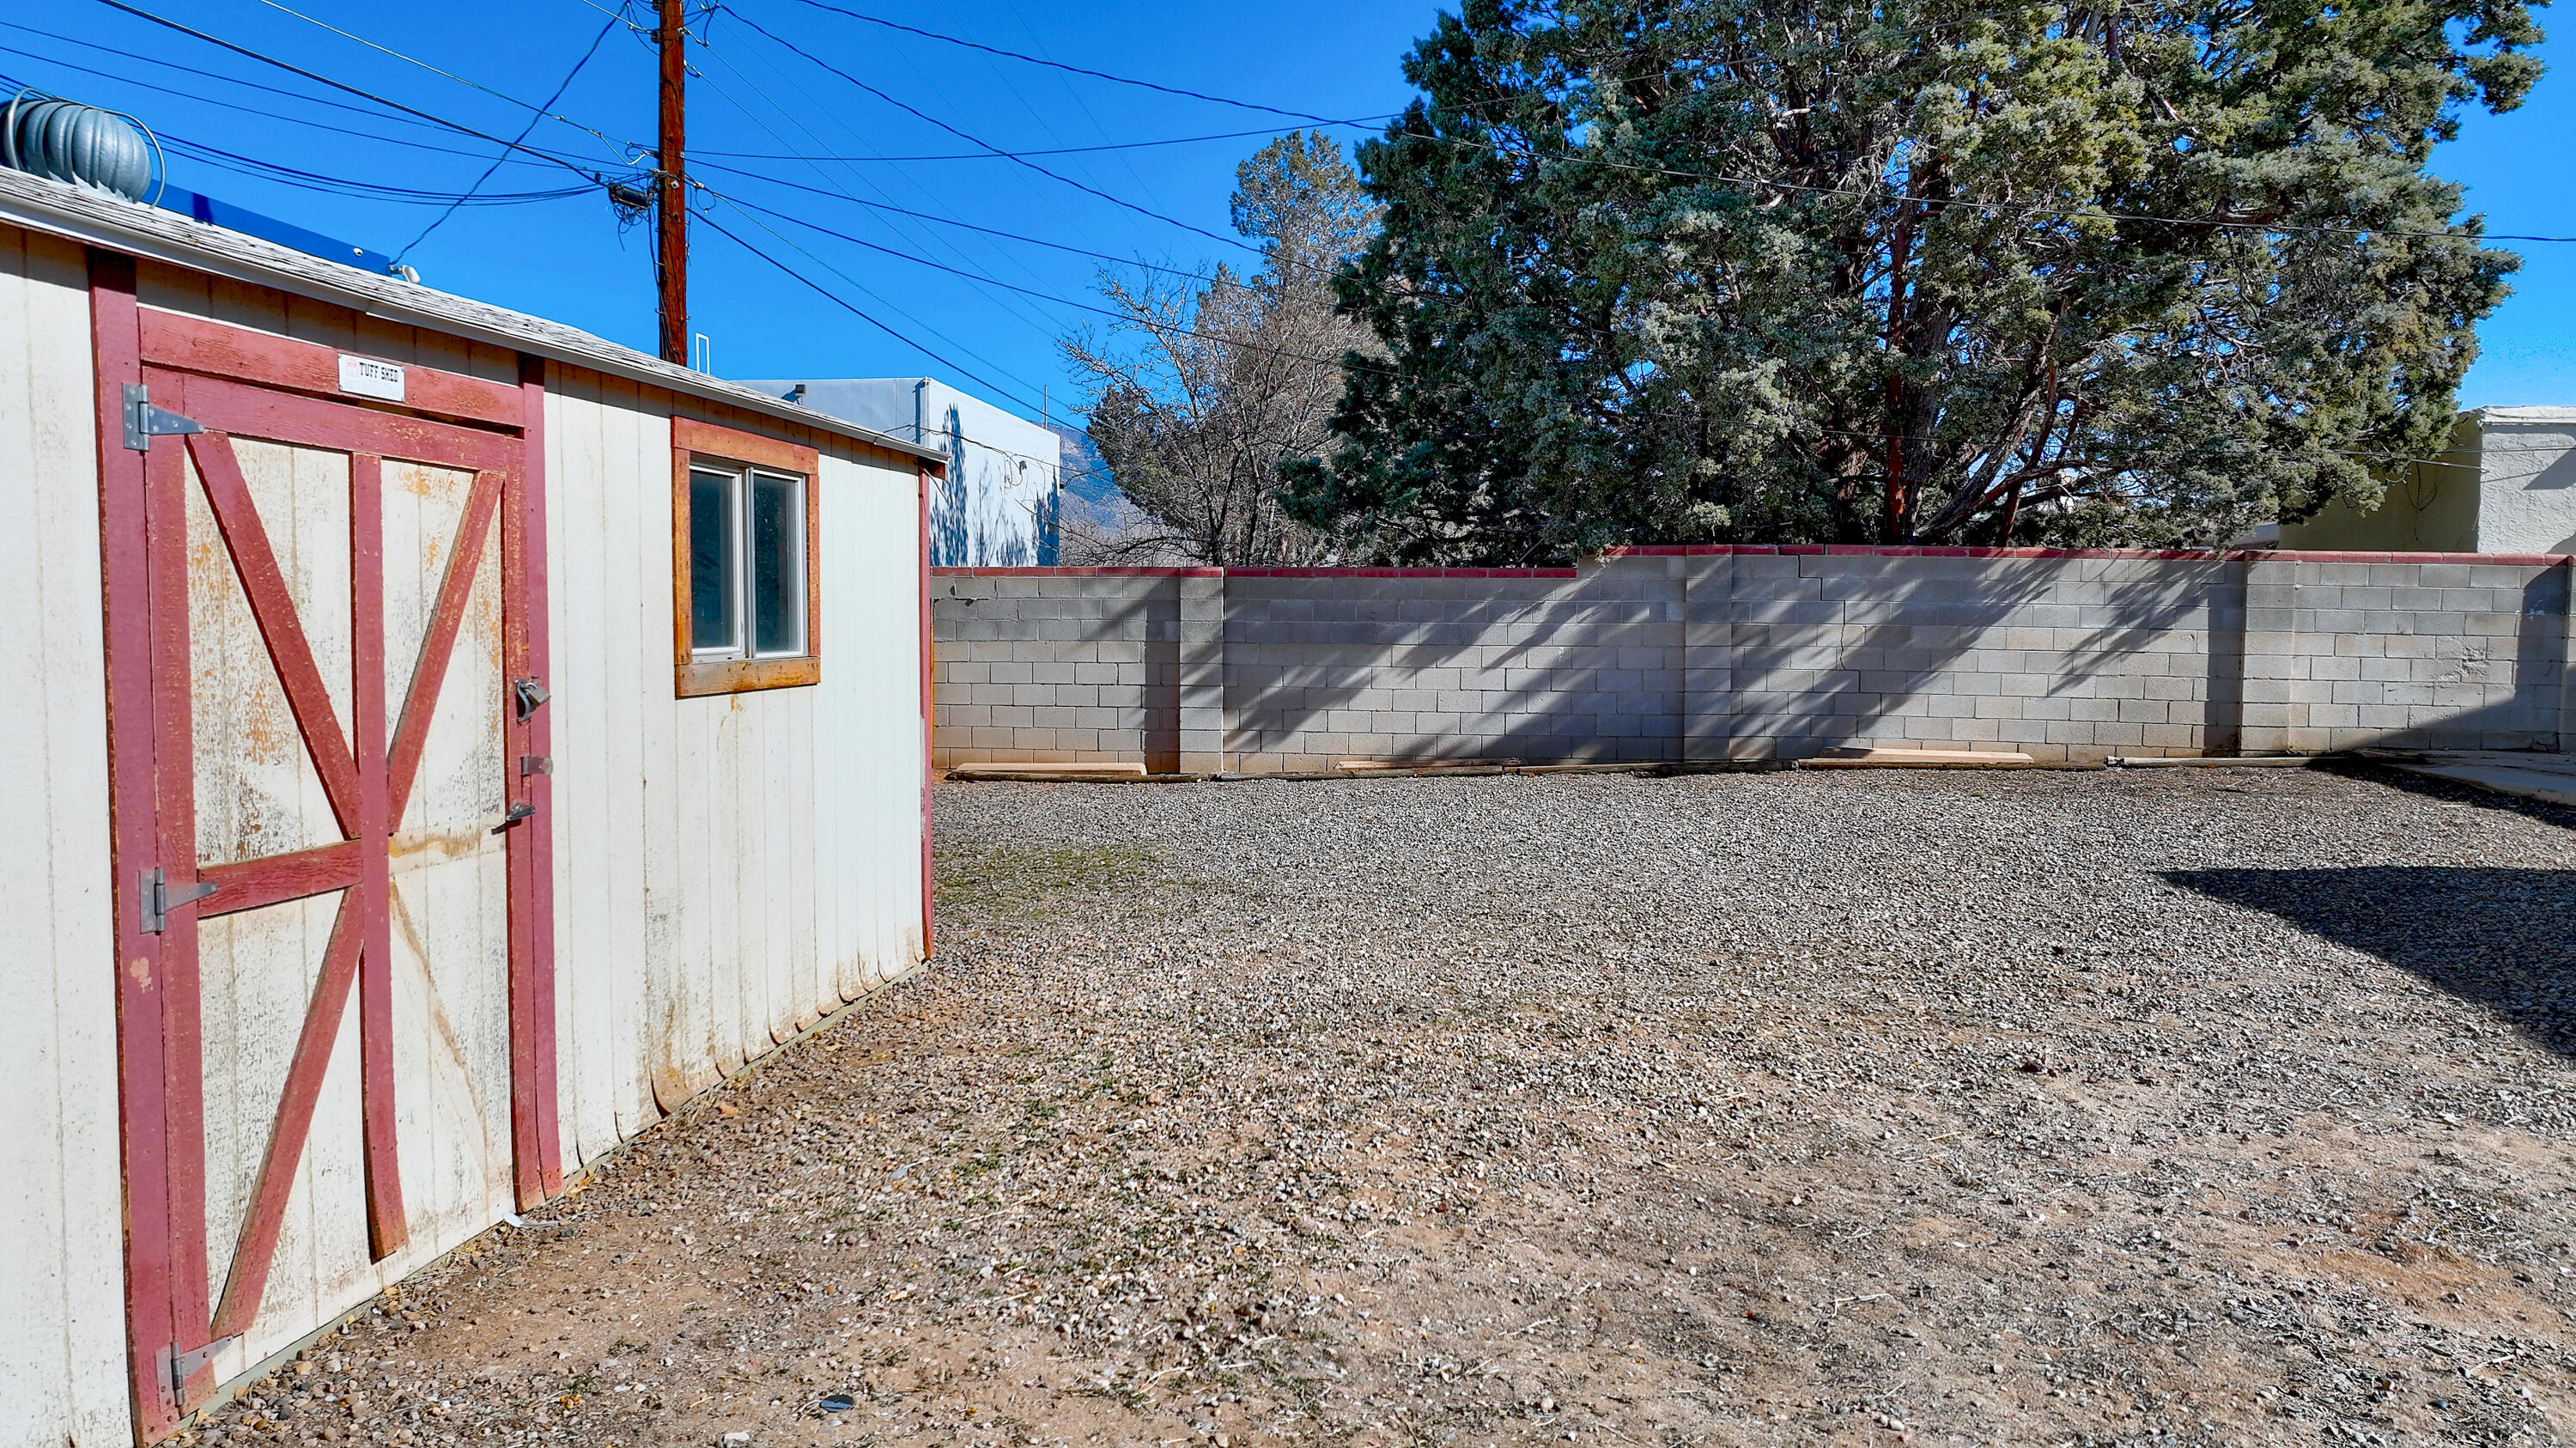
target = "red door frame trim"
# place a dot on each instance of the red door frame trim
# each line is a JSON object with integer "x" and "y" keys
{"x": 388, "y": 1227}
{"x": 165, "y": 486}
{"x": 276, "y": 879}
{"x": 220, "y": 349}
{"x": 258, "y": 410}
{"x": 141, "y": 992}
{"x": 535, "y": 1145}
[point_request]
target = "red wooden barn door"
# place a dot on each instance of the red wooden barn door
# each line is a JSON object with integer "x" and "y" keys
{"x": 331, "y": 829}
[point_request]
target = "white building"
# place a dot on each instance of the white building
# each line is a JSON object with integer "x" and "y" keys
{"x": 998, "y": 507}
{"x": 2505, "y": 484}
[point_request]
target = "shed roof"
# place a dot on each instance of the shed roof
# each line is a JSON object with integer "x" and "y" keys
{"x": 87, "y": 216}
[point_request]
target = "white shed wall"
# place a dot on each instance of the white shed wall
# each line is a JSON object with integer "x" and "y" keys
{"x": 62, "y": 1281}
{"x": 727, "y": 868}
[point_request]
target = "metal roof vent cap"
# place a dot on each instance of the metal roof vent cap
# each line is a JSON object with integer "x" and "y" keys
{"x": 90, "y": 147}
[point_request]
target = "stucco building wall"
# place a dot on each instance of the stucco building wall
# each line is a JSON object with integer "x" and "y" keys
{"x": 2506, "y": 483}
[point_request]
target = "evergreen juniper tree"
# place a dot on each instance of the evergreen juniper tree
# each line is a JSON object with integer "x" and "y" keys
{"x": 2137, "y": 271}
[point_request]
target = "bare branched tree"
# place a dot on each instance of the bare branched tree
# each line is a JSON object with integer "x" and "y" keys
{"x": 1201, "y": 392}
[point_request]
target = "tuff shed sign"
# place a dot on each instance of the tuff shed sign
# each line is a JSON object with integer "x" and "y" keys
{"x": 367, "y": 377}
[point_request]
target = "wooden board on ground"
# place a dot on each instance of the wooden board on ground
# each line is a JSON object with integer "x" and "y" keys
{"x": 1085, "y": 767}
{"x": 1856, "y": 758}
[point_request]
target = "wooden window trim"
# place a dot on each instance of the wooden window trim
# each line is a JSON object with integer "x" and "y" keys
{"x": 693, "y": 678}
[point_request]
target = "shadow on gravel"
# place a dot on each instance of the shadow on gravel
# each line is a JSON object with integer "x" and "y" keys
{"x": 2504, "y": 939}
{"x": 2452, "y": 791}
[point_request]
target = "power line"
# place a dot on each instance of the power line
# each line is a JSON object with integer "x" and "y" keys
{"x": 343, "y": 86}
{"x": 341, "y": 185}
{"x": 619, "y": 15}
{"x": 695, "y": 155}
{"x": 2266, "y": 228}
{"x": 234, "y": 161}
{"x": 1168, "y": 90}
{"x": 541, "y": 111}
{"x": 1062, "y": 246}
{"x": 853, "y": 308}
{"x": 524, "y": 131}
{"x": 930, "y": 197}
{"x": 921, "y": 114}
{"x": 751, "y": 207}
{"x": 764, "y": 125}
{"x": 1098, "y": 131}
{"x": 988, "y": 155}
{"x": 796, "y": 118}
{"x": 129, "y": 57}
{"x": 253, "y": 111}
{"x": 817, "y": 108}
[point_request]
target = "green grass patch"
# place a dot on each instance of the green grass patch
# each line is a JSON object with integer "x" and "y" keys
{"x": 1020, "y": 879}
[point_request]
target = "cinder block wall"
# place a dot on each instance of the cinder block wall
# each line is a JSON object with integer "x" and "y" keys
{"x": 2056, "y": 656}
{"x": 2465, "y": 652}
{"x": 1703, "y": 654}
{"x": 1532, "y": 664}
{"x": 1059, "y": 664}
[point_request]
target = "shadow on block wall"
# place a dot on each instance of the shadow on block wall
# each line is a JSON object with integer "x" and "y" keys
{"x": 1540, "y": 666}
{"x": 1763, "y": 654}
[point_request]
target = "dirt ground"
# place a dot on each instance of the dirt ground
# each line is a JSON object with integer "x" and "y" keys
{"x": 2143, "y": 1108}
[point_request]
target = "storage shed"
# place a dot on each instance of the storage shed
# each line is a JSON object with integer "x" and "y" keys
{"x": 440, "y": 743}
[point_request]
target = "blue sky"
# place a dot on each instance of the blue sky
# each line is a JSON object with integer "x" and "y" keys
{"x": 568, "y": 258}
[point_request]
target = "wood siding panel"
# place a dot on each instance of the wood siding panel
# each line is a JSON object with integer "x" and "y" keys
{"x": 766, "y": 870}
{"x": 61, "y": 1275}
{"x": 640, "y": 555}
{"x": 266, "y": 798}
{"x": 868, "y": 713}
{"x": 581, "y": 492}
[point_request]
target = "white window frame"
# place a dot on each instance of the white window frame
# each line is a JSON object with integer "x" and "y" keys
{"x": 741, "y": 490}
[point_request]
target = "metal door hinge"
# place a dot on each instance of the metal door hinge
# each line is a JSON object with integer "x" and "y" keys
{"x": 529, "y": 693}
{"x": 181, "y": 1366}
{"x": 536, "y": 764}
{"x": 144, "y": 422}
{"x": 156, "y": 899}
{"x": 519, "y": 814}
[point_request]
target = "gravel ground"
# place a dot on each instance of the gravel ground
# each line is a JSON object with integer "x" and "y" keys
{"x": 2154, "y": 1107}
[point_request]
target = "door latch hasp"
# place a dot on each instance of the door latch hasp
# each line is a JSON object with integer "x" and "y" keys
{"x": 528, "y": 694}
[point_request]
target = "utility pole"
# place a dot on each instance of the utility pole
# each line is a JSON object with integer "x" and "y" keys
{"x": 671, "y": 231}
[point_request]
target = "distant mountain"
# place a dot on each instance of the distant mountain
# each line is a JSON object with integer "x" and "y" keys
{"x": 1087, "y": 484}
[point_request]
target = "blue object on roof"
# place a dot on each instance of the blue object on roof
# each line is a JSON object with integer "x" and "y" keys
{"x": 268, "y": 228}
